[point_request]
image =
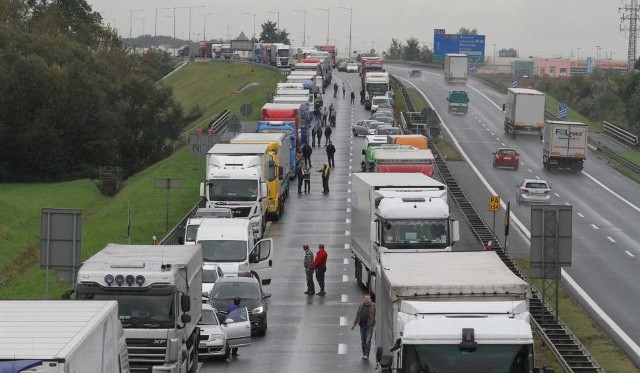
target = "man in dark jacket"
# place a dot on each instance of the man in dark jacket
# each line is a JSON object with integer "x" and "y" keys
{"x": 313, "y": 136}
{"x": 308, "y": 269}
{"x": 306, "y": 153}
{"x": 366, "y": 319}
{"x": 362, "y": 94}
{"x": 327, "y": 135}
{"x": 300, "y": 176}
{"x": 319, "y": 134}
{"x": 331, "y": 150}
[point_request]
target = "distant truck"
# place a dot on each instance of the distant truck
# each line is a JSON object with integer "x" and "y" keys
{"x": 455, "y": 67}
{"x": 375, "y": 84}
{"x": 279, "y": 153}
{"x": 404, "y": 160}
{"x": 426, "y": 123}
{"x": 564, "y": 145}
{"x": 205, "y": 49}
{"x": 403, "y": 212}
{"x": 236, "y": 178}
{"x": 159, "y": 294}
{"x": 369, "y": 153}
{"x": 458, "y": 102}
{"x": 280, "y": 54}
{"x": 452, "y": 312}
{"x": 299, "y": 114}
{"x": 62, "y": 336}
{"x": 524, "y": 112}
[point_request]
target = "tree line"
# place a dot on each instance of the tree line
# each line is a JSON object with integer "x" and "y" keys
{"x": 73, "y": 98}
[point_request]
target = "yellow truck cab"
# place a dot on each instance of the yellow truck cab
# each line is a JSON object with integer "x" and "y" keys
{"x": 279, "y": 152}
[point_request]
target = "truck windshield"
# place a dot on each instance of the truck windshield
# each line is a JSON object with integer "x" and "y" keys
{"x": 224, "y": 251}
{"x": 233, "y": 190}
{"x": 449, "y": 358}
{"x": 377, "y": 89}
{"x": 415, "y": 234}
{"x": 283, "y": 53}
{"x": 140, "y": 310}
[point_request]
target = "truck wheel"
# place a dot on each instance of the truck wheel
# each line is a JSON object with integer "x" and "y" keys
{"x": 358, "y": 274}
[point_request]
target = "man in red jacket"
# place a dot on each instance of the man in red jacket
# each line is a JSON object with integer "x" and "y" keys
{"x": 320, "y": 265}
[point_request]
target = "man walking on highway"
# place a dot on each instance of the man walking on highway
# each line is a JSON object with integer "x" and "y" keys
{"x": 326, "y": 171}
{"x": 366, "y": 319}
{"x": 306, "y": 153}
{"x": 300, "y": 176}
{"x": 327, "y": 136}
{"x": 320, "y": 265}
{"x": 306, "y": 172}
{"x": 335, "y": 90}
{"x": 308, "y": 269}
{"x": 353, "y": 97}
{"x": 344, "y": 90}
{"x": 331, "y": 150}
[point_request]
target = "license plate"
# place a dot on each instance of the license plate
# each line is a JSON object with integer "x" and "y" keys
{"x": 203, "y": 345}
{"x": 507, "y": 158}
{"x": 535, "y": 191}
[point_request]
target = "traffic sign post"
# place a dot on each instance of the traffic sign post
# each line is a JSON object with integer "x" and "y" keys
{"x": 494, "y": 206}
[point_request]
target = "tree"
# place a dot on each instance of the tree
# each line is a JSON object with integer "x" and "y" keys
{"x": 426, "y": 55}
{"x": 396, "y": 50}
{"x": 269, "y": 32}
{"x": 283, "y": 37}
{"x": 412, "y": 50}
{"x": 467, "y": 31}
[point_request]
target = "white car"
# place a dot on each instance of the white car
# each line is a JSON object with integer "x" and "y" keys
{"x": 213, "y": 339}
{"x": 362, "y": 128}
{"x": 211, "y": 273}
{"x": 352, "y": 68}
{"x": 533, "y": 191}
{"x": 380, "y": 102}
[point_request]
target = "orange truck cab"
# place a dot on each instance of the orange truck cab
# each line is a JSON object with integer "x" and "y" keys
{"x": 417, "y": 141}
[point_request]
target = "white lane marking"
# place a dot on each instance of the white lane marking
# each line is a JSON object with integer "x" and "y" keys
{"x": 522, "y": 163}
{"x": 528, "y": 169}
{"x": 591, "y": 303}
{"x": 349, "y": 190}
{"x": 612, "y": 192}
{"x": 348, "y": 200}
{"x": 611, "y": 239}
{"x": 347, "y": 233}
{"x": 344, "y": 298}
{"x": 349, "y": 182}
{"x": 504, "y": 145}
{"x": 628, "y": 253}
{"x": 538, "y": 177}
{"x": 342, "y": 348}
{"x": 345, "y": 278}
{"x": 348, "y": 209}
{"x": 350, "y": 167}
{"x": 492, "y": 134}
{"x": 497, "y": 139}
{"x": 345, "y": 261}
{"x": 348, "y": 221}
{"x": 556, "y": 194}
{"x": 580, "y": 215}
{"x": 350, "y": 154}
{"x": 343, "y": 321}
{"x": 567, "y": 203}
{"x": 347, "y": 246}
{"x": 594, "y": 226}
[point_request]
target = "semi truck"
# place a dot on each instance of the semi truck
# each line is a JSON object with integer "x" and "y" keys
{"x": 279, "y": 152}
{"x": 236, "y": 178}
{"x": 230, "y": 244}
{"x": 299, "y": 114}
{"x": 289, "y": 128}
{"x": 331, "y": 49}
{"x": 58, "y": 336}
{"x": 524, "y": 112}
{"x": 404, "y": 160}
{"x": 458, "y": 102}
{"x": 369, "y": 65}
{"x": 159, "y": 294}
{"x": 369, "y": 152}
{"x": 280, "y": 54}
{"x": 455, "y": 67}
{"x": 403, "y": 212}
{"x": 564, "y": 145}
{"x": 375, "y": 84}
{"x": 452, "y": 312}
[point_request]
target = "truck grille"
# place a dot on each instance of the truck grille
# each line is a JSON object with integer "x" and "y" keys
{"x": 144, "y": 353}
{"x": 241, "y": 212}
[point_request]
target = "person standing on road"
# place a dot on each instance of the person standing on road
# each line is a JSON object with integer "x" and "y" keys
{"x": 307, "y": 179}
{"x": 326, "y": 172}
{"x": 233, "y": 307}
{"x": 320, "y": 265}
{"x": 313, "y": 136}
{"x": 335, "y": 90}
{"x": 332, "y": 116}
{"x": 327, "y": 135}
{"x": 319, "y": 134}
{"x": 300, "y": 176}
{"x": 308, "y": 270}
{"x": 306, "y": 154}
{"x": 331, "y": 150}
{"x": 344, "y": 90}
{"x": 366, "y": 319}
{"x": 325, "y": 113}
{"x": 362, "y": 93}
{"x": 353, "y": 97}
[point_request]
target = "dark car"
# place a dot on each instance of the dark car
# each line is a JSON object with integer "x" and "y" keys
{"x": 415, "y": 73}
{"x": 506, "y": 157}
{"x": 249, "y": 290}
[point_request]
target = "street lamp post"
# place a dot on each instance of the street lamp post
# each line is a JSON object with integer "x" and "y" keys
{"x": 190, "y": 9}
{"x": 229, "y": 33}
{"x": 174, "y": 20}
{"x": 155, "y": 23}
{"x": 350, "y": 9}
{"x": 578, "y": 53}
{"x": 131, "y": 21}
{"x": 143, "y": 21}
{"x": 304, "y": 27}
{"x": 328, "y": 17}
{"x": 204, "y": 29}
{"x": 254, "y": 23}
{"x": 277, "y": 25}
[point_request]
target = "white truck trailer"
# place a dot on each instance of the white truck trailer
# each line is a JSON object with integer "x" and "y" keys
{"x": 375, "y": 84}
{"x": 397, "y": 212}
{"x": 452, "y": 312}
{"x": 61, "y": 336}
{"x": 159, "y": 294}
{"x": 524, "y": 112}
{"x": 455, "y": 67}
{"x": 280, "y": 54}
{"x": 236, "y": 178}
{"x": 564, "y": 145}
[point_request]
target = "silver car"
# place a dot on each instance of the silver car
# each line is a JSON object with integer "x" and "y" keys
{"x": 362, "y": 128}
{"x": 385, "y": 129}
{"x": 383, "y": 118}
{"x": 213, "y": 339}
{"x": 533, "y": 191}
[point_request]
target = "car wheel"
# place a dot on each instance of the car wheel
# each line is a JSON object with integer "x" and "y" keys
{"x": 262, "y": 332}
{"x": 355, "y": 134}
{"x": 495, "y": 165}
{"x": 516, "y": 167}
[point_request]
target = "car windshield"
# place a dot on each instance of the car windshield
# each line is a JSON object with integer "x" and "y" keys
{"x": 209, "y": 276}
{"x": 536, "y": 185}
{"x": 223, "y": 250}
{"x": 374, "y": 125}
{"x": 382, "y": 103}
{"x": 208, "y": 317}
{"x": 229, "y": 290}
{"x": 383, "y": 118}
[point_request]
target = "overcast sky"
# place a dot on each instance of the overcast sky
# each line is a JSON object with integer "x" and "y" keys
{"x": 547, "y": 28}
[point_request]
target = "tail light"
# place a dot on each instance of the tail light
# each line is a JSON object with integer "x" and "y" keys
{"x": 548, "y": 191}
{"x": 524, "y": 190}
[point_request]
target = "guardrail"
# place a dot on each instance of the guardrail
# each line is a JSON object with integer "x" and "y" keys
{"x": 176, "y": 235}
{"x": 616, "y": 158}
{"x": 620, "y": 134}
{"x": 219, "y": 124}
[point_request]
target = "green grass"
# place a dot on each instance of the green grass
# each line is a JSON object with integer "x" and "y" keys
{"x": 104, "y": 218}
{"x": 551, "y": 105}
{"x": 448, "y": 151}
{"x": 630, "y": 155}
{"x": 418, "y": 101}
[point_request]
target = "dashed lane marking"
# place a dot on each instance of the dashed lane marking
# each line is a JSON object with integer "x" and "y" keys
{"x": 611, "y": 239}
{"x": 343, "y": 321}
{"x": 594, "y": 226}
{"x": 628, "y": 253}
{"x": 345, "y": 261}
{"x": 345, "y": 278}
{"x": 344, "y": 298}
{"x": 580, "y": 215}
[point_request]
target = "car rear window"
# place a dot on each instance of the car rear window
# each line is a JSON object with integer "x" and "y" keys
{"x": 507, "y": 152}
{"x": 536, "y": 185}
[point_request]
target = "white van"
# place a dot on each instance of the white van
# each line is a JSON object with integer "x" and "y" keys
{"x": 231, "y": 244}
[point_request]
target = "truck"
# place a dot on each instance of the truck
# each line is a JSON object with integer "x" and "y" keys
{"x": 205, "y": 49}
{"x": 159, "y": 294}
{"x": 309, "y": 80}
{"x": 404, "y": 160}
{"x": 417, "y": 141}
{"x": 375, "y": 84}
{"x": 331, "y": 49}
{"x": 370, "y": 64}
{"x": 279, "y": 152}
{"x": 372, "y": 147}
{"x": 456, "y": 67}
{"x": 299, "y": 114}
{"x": 280, "y": 54}
{"x": 524, "y": 112}
{"x": 564, "y": 145}
{"x": 426, "y": 123}
{"x": 236, "y": 178}
{"x": 57, "y": 336}
{"x": 452, "y": 312}
{"x": 458, "y": 102}
{"x": 403, "y": 212}
{"x": 289, "y": 128}
{"x": 230, "y": 244}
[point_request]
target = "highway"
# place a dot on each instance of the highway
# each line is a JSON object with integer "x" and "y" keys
{"x": 312, "y": 333}
{"x": 606, "y": 238}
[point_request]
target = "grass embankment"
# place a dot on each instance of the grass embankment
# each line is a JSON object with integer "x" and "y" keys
{"x": 213, "y": 86}
{"x": 606, "y": 353}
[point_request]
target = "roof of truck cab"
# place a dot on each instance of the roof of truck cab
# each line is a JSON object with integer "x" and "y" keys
{"x": 238, "y": 149}
{"x": 525, "y": 91}
{"x": 487, "y": 330}
{"x": 48, "y": 329}
{"x": 397, "y": 180}
{"x": 259, "y": 136}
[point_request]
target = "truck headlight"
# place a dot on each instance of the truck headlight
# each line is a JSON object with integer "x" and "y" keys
{"x": 272, "y": 204}
{"x": 257, "y": 310}
{"x": 243, "y": 267}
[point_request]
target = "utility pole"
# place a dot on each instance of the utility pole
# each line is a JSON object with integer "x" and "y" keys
{"x": 204, "y": 29}
{"x": 143, "y": 21}
{"x": 630, "y": 13}
{"x": 304, "y": 27}
{"x": 328, "y": 17}
{"x": 229, "y": 33}
{"x": 350, "y": 9}
{"x": 277, "y": 25}
{"x": 131, "y": 21}
{"x": 254, "y": 23}
{"x": 190, "y": 9}
{"x": 155, "y": 24}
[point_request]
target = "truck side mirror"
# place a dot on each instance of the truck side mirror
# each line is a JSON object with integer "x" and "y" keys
{"x": 504, "y": 107}
{"x": 373, "y": 232}
{"x": 202, "y": 187}
{"x": 185, "y": 318}
{"x": 180, "y": 240}
{"x": 185, "y": 303}
{"x": 280, "y": 173}
{"x": 455, "y": 231}
{"x": 263, "y": 189}
{"x": 364, "y": 152}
